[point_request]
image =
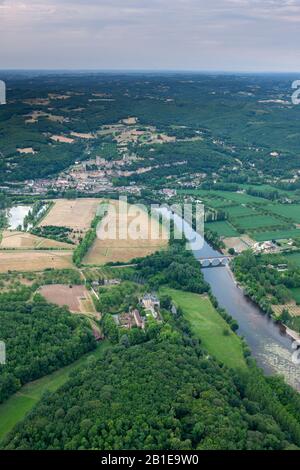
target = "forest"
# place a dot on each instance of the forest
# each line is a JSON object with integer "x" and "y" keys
{"x": 165, "y": 393}
{"x": 40, "y": 338}
{"x": 230, "y": 123}
{"x": 266, "y": 284}
{"x": 175, "y": 267}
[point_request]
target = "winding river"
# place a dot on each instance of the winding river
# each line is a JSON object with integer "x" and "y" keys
{"x": 270, "y": 345}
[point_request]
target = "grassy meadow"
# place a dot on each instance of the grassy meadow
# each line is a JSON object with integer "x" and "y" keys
{"x": 206, "y": 323}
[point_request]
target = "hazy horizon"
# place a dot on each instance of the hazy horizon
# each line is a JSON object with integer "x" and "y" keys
{"x": 153, "y": 71}
{"x": 234, "y": 36}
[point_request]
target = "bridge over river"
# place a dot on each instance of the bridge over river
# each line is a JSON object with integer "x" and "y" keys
{"x": 269, "y": 343}
{"x": 214, "y": 262}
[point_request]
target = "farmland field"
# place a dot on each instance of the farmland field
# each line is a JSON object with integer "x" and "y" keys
{"x": 113, "y": 248}
{"x": 76, "y": 214}
{"x": 222, "y": 228}
{"x": 226, "y": 196}
{"x": 209, "y": 326}
{"x": 276, "y": 235}
{"x": 240, "y": 211}
{"x": 293, "y": 258}
{"x": 296, "y": 294}
{"x": 239, "y": 198}
{"x": 24, "y": 240}
{"x": 292, "y": 307}
{"x": 34, "y": 260}
{"x": 239, "y": 244}
{"x": 76, "y": 298}
{"x": 290, "y": 211}
{"x": 216, "y": 203}
{"x": 256, "y": 222}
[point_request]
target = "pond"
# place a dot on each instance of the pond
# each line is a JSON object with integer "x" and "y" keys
{"x": 16, "y": 216}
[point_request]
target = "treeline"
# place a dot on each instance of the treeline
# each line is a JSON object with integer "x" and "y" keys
{"x": 37, "y": 212}
{"x": 39, "y": 338}
{"x": 4, "y": 203}
{"x": 264, "y": 283}
{"x": 85, "y": 244}
{"x": 60, "y": 234}
{"x": 175, "y": 267}
{"x": 213, "y": 239}
{"x": 119, "y": 298}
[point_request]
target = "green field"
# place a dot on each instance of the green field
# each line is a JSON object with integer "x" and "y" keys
{"x": 240, "y": 198}
{"x": 19, "y": 405}
{"x": 290, "y": 211}
{"x": 276, "y": 235}
{"x": 240, "y": 211}
{"x": 268, "y": 188}
{"x": 217, "y": 203}
{"x": 293, "y": 258}
{"x": 296, "y": 294}
{"x": 223, "y": 229}
{"x": 257, "y": 222}
{"x": 209, "y": 326}
{"x": 246, "y": 214}
{"x": 226, "y": 196}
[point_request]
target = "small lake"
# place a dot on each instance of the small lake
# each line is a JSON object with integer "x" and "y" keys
{"x": 16, "y": 216}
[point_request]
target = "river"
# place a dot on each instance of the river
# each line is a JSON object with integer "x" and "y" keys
{"x": 269, "y": 344}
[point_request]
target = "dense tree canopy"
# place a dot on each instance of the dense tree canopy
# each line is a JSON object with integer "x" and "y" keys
{"x": 39, "y": 338}
{"x": 164, "y": 394}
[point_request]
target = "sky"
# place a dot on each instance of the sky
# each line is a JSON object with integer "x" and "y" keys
{"x": 200, "y": 35}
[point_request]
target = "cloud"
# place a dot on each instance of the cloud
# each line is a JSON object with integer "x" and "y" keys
{"x": 180, "y": 34}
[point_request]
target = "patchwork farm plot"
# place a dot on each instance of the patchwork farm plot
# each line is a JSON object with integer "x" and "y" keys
{"x": 256, "y": 222}
{"x": 222, "y": 228}
{"x": 115, "y": 248}
{"x": 240, "y": 211}
{"x": 239, "y": 244}
{"x": 76, "y": 298}
{"x": 288, "y": 211}
{"x": 24, "y": 240}
{"x": 76, "y": 214}
{"x": 292, "y": 307}
{"x": 293, "y": 258}
{"x": 276, "y": 235}
{"x": 25, "y": 261}
{"x": 23, "y": 251}
{"x": 256, "y": 216}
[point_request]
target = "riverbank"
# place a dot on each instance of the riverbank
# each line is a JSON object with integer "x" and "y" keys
{"x": 291, "y": 333}
{"x": 270, "y": 346}
{"x": 211, "y": 329}
{"x": 294, "y": 335}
